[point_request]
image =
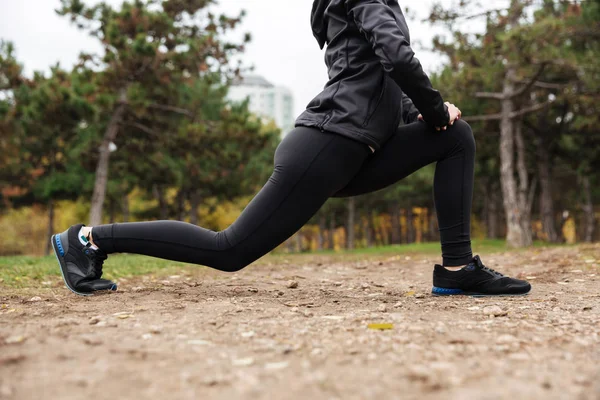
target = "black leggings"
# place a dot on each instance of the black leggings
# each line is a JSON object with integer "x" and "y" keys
{"x": 310, "y": 167}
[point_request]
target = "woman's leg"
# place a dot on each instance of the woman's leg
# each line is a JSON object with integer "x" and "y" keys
{"x": 413, "y": 147}
{"x": 310, "y": 166}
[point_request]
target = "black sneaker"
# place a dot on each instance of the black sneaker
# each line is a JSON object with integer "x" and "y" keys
{"x": 476, "y": 280}
{"x": 80, "y": 265}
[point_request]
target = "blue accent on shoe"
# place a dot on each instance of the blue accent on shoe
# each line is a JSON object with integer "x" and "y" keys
{"x": 61, "y": 250}
{"x": 114, "y": 287}
{"x": 445, "y": 292}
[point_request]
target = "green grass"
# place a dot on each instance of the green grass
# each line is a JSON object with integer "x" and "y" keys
{"x": 25, "y": 271}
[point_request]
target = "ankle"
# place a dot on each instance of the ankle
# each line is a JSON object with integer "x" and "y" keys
{"x": 454, "y": 267}
{"x": 87, "y": 232}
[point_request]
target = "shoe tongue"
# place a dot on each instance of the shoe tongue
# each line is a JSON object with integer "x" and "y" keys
{"x": 474, "y": 264}
{"x": 477, "y": 262}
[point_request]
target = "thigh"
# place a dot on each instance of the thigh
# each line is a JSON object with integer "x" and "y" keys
{"x": 310, "y": 166}
{"x": 410, "y": 149}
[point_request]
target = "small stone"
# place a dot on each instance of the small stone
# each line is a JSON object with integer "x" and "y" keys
{"x": 199, "y": 342}
{"x": 506, "y": 339}
{"x": 495, "y": 311}
{"x": 248, "y": 334}
{"x": 519, "y": 356}
{"x": 243, "y": 362}
{"x": 292, "y": 284}
{"x": 316, "y": 352}
{"x": 253, "y": 290}
{"x": 277, "y": 365}
{"x": 364, "y": 285}
{"x": 137, "y": 289}
{"x": 420, "y": 296}
{"x": 6, "y": 391}
{"x": 92, "y": 341}
{"x": 474, "y": 308}
{"x": 147, "y": 336}
{"x": 382, "y": 308}
{"x": 307, "y": 313}
{"x": 35, "y": 299}
{"x": 155, "y": 329}
{"x": 546, "y": 385}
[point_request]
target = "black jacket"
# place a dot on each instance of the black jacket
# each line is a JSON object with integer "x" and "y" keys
{"x": 371, "y": 65}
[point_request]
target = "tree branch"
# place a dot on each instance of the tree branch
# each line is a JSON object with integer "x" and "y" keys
{"x": 525, "y": 88}
{"x": 477, "y": 118}
{"x": 494, "y": 117}
{"x": 489, "y": 95}
{"x": 142, "y": 128}
{"x": 530, "y": 109}
{"x": 547, "y": 85}
{"x": 177, "y": 110}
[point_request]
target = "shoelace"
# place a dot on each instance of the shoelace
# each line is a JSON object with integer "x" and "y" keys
{"x": 97, "y": 258}
{"x": 483, "y": 267}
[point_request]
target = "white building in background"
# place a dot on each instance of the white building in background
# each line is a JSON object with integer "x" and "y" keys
{"x": 266, "y": 100}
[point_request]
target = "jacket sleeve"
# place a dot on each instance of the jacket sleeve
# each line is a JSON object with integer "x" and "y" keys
{"x": 410, "y": 113}
{"x": 375, "y": 19}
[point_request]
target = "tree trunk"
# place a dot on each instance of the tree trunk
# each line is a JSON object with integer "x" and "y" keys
{"x": 367, "y": 230}
{"x": 102, "y": 167}
{"x": 546, "y": 201}
{"x": 125, "y": 208}
{"x": 433, "y": 226}
{"x": 50, "y": 226}
{"x": 298, "y": 237}
{"x": 395, "y": 224}
{"x": 112, "y": 211}
{"x": 588, "y": 209}
{"x": 331, "y": 232}
{"x": 322, "y": 232}
{"x": 159, "y": 194}
{"x": 181, "y": 205}
{"x": 350, "y": 223}
{"x": 195, "y": 199}
{"x": 526, "y": 191}
{"x": 515, "y": 236}
{"x": 410, "y": 225}
{"x": 492, "y": 216}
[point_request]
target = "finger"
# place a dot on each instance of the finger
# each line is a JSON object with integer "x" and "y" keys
{"x": 444, "y": 128}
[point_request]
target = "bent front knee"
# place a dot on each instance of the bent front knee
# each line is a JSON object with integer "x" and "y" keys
{"x": 464, "y": 134}
{"x": 235, "y": 261}
{"x": 233, "y": 266}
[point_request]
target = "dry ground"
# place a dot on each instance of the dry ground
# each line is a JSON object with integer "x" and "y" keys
{"x": 252, "y": 335}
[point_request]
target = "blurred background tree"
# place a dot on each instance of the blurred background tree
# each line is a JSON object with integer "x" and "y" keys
{"x": 143, "y": 129}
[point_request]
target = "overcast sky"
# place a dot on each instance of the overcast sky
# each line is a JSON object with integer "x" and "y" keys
{"x": 283, "y": 49}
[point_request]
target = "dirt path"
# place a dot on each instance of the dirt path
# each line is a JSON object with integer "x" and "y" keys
{"x": 204, "y": 334}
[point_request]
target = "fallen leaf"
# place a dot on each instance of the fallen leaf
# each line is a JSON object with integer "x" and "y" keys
{"x": 15, "y": 339}
{"x": 381, "y": 327}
